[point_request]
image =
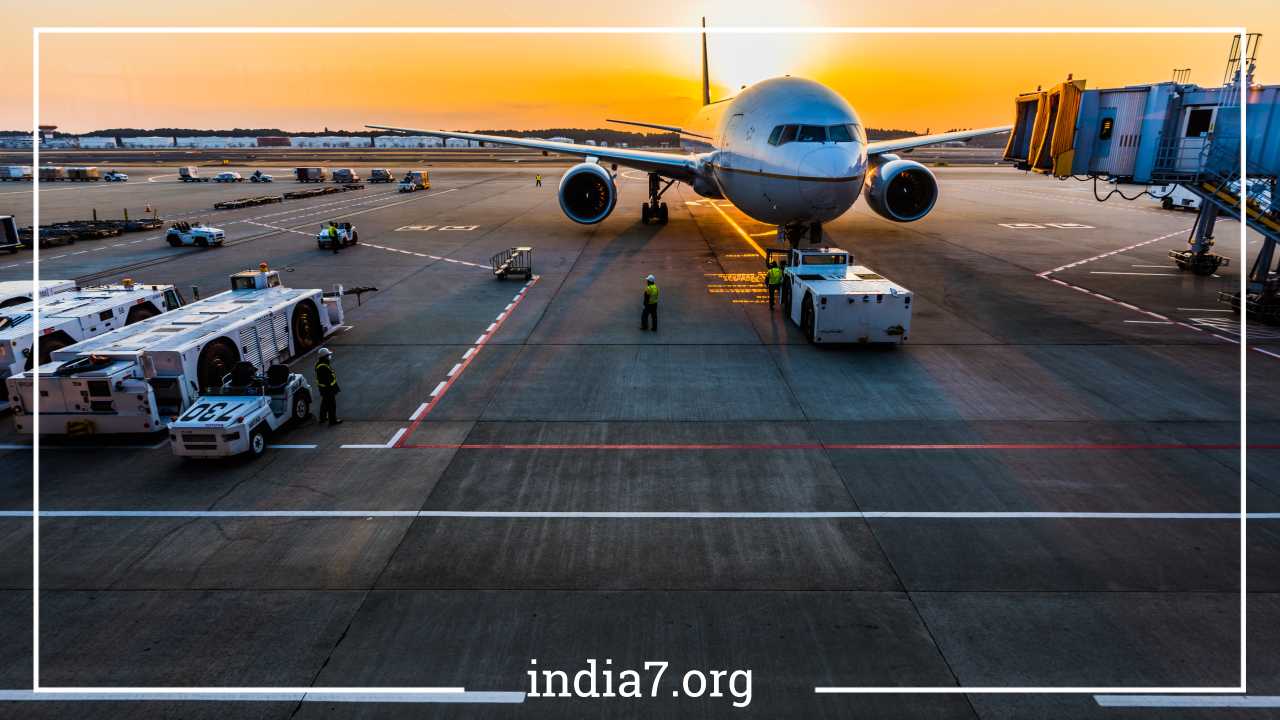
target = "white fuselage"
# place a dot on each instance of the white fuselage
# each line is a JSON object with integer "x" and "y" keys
{"x": 771, "y": 175}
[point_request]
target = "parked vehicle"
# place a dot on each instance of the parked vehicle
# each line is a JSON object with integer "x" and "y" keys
{"x": 190, "y": 174}
{"x": 115, "y": 176}
{"x": 381, "y": 175}
{"x": 310, "y": 174}
{"x": 346, "y": 175}
{"x": 228, "y": 177}
{"x": 184, "y": 233}
{"x": 260, "y": 177}
{"x": 347, "y": 235}
{"x": 238, "y": 416}
{"x": 415, "y": 180}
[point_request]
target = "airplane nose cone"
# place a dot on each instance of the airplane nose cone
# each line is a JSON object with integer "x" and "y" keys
{"x": 829, "y": 177}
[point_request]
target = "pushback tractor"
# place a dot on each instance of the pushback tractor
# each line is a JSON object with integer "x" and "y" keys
{"x": 834, "y": 301}
{"x": 236, "y": 417}
{"x": 70, "y": 317}
{"x": 140, "y": 378}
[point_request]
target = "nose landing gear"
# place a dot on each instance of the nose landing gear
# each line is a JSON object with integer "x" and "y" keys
{"x": 791, "y": 235}
{"x": 655, "y": 209}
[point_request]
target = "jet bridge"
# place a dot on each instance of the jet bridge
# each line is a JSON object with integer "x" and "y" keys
{"x": 1171, "y": 133}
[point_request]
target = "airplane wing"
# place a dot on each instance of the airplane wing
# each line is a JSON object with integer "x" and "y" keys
{"x": 680, "y": 167}
{"x": 906, "y": 143}
{"x": 669, "y": 128}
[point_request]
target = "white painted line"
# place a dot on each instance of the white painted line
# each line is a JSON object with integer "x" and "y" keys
{"x": 334, "y": 695}
{"x": 500, "y": 316}
{"x": 1188, "y": 701}
{"x": 480, "y": 340}
{"x": 491, "y": 328}
{"x": 1105, "y": 272}
{"x": 637, "y": 515}
{"x": 1150, "y": 322}
{"x": 418, "y": 413}
{"x": 292, "y": 447}
{"x": 470, "y": 351}
{"x": 382, "y": 446}
{"x": 508, "y": 307}
{"x": 438, "y": 389}
{"x": 452, "y": 371}
{"x": 1267, "y": 352}
{"x": 396, "y": 438}
{"x": 1218, "y": 310}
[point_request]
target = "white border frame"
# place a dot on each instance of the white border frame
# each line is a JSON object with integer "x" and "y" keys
{"x": 36, "y": 32}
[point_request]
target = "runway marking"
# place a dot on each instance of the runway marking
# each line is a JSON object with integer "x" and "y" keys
{"x": 1150, "y": 322}
{"x": 277, "y": 227}
{"x": 427, "y": 255}
{"x": 1217, "y": 310}
{"x": 467, "y": 358}
{"x": 377, "y": 446}
{"x": 325, "y": 695}
{"x": 292, "y": 447}
{"x": 636, "y": 515}
{"x": 759, "y": 250}
{"x": 841, "y": 446}
{"x": 417, "y": 413}
{"x": 1188, "y": 701}
{"x": 1108, "y": 272}
{"x": 1113, "y": 252}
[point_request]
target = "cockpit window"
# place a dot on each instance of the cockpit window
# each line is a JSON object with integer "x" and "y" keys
{"x": 812, "y": 133}
{"x": 788, "y": 134}
{"x": 773, "y": 136}
{"x": 840, "y": 133}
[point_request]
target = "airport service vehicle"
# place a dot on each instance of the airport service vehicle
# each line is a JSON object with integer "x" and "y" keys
{"x": 415, "y": 180}
{"x": 238, "y": 416}
{"x": 786, "y": 151}
{"x": 18, "y": 292}
{"x": 347, "y": 235}
{"x": 346, "y": 175}
{"x": 310, "y": 174}
{"x": 191, "y": 174}
{"x": 15, "y": 172}
{"x": 185, "y": 233}
{"x": 115, "y": 176}
{"x": 69, "y": 317}
{"x": 84, "y": 174}
{"x": 228, "y": 177}
{"x": 260, "y": 177}
{"x": 834, "y": 301}
{"x": 381, "y": 175}
{"x": 9, "y": 234}
{"x": 1175, "y": 197}
{"x": 140, "y": 378}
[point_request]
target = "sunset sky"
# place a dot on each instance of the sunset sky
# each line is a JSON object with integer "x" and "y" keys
{"x": 308, "y": 82}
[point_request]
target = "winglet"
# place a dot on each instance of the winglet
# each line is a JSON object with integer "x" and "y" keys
{"x": 706, "y": 81}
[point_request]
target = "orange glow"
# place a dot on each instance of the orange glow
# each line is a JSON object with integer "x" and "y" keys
{"x": 309, "y": 82}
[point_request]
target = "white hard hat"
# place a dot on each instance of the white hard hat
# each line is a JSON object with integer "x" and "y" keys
{"x": 325, "y": 352}
{"x": 650, "y": 279}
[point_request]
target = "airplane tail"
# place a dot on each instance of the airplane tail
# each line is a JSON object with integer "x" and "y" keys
{"x": 706, "y": 81}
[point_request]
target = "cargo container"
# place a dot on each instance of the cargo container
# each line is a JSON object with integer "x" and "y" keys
{"x": 9, "y": 234}
{"x": 346, "y": 175}
{"x": 381, "y": 175}
{"x": 84, "y": 174}
{"x": 415, "y": 180}
{"x": 52, "y": 173}
{"x": 15, "y": 172}
{"x": 310, "y": 174}
{"x": 190, "y": 174}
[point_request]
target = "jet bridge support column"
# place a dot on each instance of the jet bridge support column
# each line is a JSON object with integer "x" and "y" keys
{"x": 1198, "y": 258}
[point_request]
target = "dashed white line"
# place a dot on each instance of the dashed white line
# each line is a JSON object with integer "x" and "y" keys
{"x": 439, "y": 387}
{"x": 452, "y": 371}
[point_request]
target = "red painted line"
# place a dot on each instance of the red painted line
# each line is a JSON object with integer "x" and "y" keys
{"x": 466, "y": 362}
{"x": 835, "y": 446}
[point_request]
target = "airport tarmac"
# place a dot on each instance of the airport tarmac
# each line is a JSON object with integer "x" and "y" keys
{"x": 1040, "y": 488}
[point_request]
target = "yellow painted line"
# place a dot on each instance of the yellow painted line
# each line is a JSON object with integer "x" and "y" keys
{"x": 741, "y": 232}
{"x": 773, "y": 233}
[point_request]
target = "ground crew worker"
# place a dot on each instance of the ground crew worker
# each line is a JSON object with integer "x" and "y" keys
{"x": 537, "y": 180}
{"x": 327, "y": 380}
{"x": 773, "y": 279}
{"x": 333, "y": 237}
{"x": 650, "y": 304}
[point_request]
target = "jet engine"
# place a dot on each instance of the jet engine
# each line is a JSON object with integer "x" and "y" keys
{"x": 900, "y": 190}
{"x": 587, "y": 193}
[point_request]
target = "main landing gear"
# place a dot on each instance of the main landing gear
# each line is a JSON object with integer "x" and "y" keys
{"x": 655, "y": 209}
{"x": 791, "y": 235}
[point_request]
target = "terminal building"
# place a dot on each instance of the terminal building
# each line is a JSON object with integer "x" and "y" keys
{"x": 406, "y": 141}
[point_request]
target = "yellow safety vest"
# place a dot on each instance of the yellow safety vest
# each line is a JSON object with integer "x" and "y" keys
{"x": 651, "y": 294}
{"x": 774, "y": 276}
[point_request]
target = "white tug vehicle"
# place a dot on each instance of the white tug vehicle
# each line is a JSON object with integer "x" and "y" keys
{"x": 835, "y": 302}
{"x": 185, "y": 233}
{"x": 237, "y": 417}
{"x": 140, "y": 378}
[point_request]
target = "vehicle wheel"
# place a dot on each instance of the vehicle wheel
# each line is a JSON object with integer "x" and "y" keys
{"x": 201, "y": 242}
{"x": 301, "y": 406}
{"x": 174, "y": 240}
{"x": 355, "y": 237}
{"x": 807, "y": 318}
{"x": 45, "y": 347}
{"x": 662, "y": 214}
{"x": 1166, "y": 203}
{"x": 644, "y": 214}
{"x": 216, "y": 360}
{"x": 257, "y": 442}
{"x": 306, "y": 327}
{"x": 141, "y": 312}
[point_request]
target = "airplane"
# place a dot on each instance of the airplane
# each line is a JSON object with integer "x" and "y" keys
{"x": 786, "y": 151}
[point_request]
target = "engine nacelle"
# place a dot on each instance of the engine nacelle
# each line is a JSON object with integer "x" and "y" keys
{"x": 900, "y": 190}
{"x": 587, "y": 193}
